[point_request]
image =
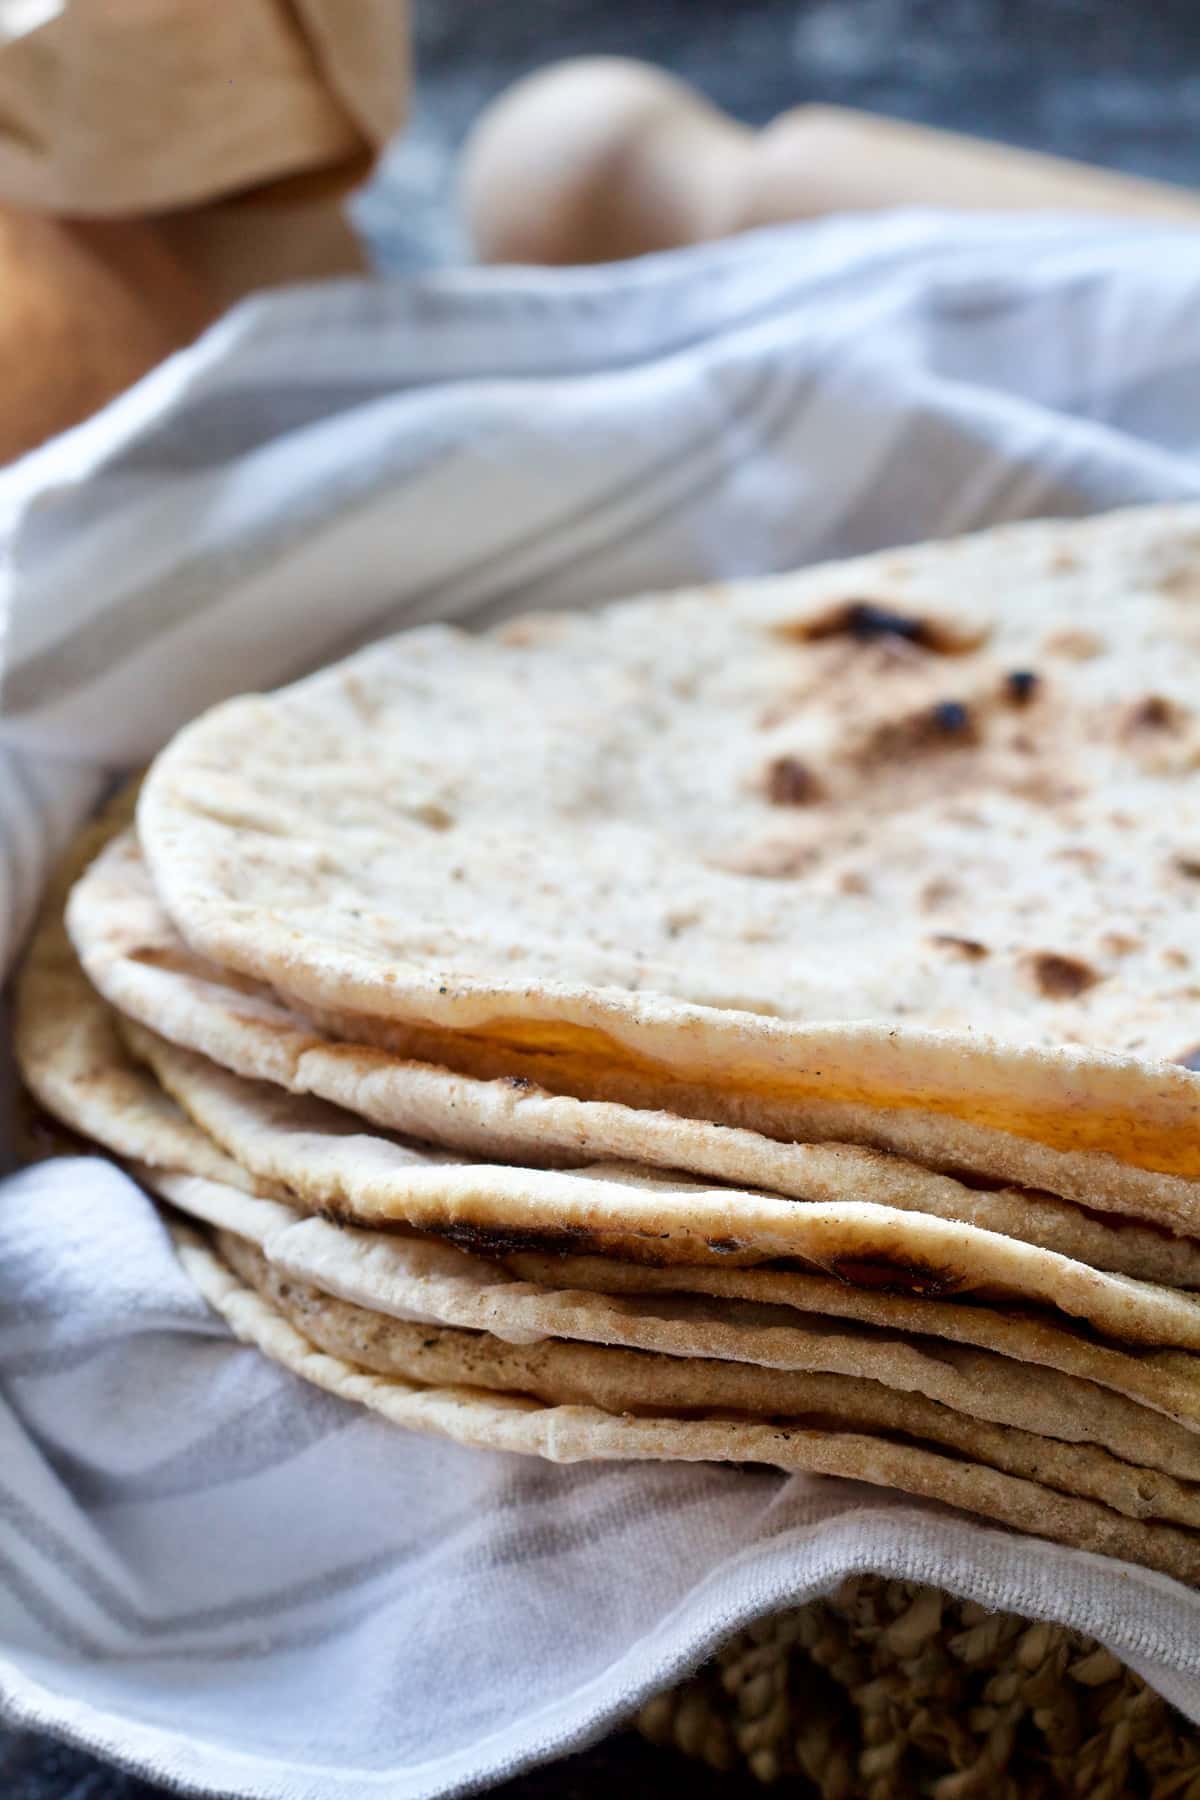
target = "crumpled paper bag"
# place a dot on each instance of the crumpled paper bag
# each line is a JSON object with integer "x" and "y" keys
{"x": 111, "y": 107}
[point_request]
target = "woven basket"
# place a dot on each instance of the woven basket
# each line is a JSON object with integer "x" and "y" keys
{"x": 886, "y": 1691}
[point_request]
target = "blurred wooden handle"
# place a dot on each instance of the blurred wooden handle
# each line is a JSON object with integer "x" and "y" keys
{"x": 603, "y": 158}
{"x": 821, "y": 159}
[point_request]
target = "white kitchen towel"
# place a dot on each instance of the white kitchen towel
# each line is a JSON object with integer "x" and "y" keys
{"x": 207, "y": 1571}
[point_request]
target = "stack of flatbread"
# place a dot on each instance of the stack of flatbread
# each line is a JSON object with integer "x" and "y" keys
{"x": 755, "y": 1023}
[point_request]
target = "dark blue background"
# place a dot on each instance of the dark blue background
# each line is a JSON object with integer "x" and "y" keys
{"x": 1110, "y": 81}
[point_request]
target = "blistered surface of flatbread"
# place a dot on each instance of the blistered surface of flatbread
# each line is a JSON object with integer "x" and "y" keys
{"x": 916, "y": 832}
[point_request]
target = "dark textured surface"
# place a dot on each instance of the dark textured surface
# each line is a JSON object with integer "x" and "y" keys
{"x": 32, "y": 1769}
{"x": 1105, "y": 80}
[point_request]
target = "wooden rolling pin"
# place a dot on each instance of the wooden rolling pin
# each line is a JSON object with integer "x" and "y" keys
{"x": 602, "y": 158}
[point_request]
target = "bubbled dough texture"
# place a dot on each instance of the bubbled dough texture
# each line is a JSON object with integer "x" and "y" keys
{"x": 571, "y": 821}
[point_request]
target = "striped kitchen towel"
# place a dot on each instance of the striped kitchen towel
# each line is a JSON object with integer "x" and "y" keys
{"x": 208, "y": 1572}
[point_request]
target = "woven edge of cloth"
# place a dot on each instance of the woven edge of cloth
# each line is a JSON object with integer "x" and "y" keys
{"x": 887, "y": 1689}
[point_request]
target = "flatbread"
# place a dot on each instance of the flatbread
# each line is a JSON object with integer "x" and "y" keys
{"x": 69, "y": 1054}
{"x": 639, "y": 1382}
{"x": 1167, "y": 1381}
{"x": 133, "y": 955}
{"x": 888, "y": 835}
{"x": 579, "y": 1433}
{"x": 417, "y": 1281}
{"x": 327, "y": 1163}
{"x": 126, "y": 1112}
{"x": 122, "y": 1109}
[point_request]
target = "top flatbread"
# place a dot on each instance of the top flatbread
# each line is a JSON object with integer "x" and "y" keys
{"x": 917, "y": 832}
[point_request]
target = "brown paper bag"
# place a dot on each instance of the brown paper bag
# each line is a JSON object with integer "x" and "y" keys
{"x": 129, "y": 107}
{"x": 161, "y": 158}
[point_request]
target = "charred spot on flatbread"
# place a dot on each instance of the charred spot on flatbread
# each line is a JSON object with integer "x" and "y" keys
{"x": 1021, "y": 686}
{"x": 789, "y": 782}
{"x": 513, "y": 1240}
{"x": 1057, "y": 976}
{"x": 865, "y": 621}
{"x": 1153, "y": 712}
{"x": 948, "y": 725}
{"x": 968, "y": 949}
{"x": 885, "y": 1273}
